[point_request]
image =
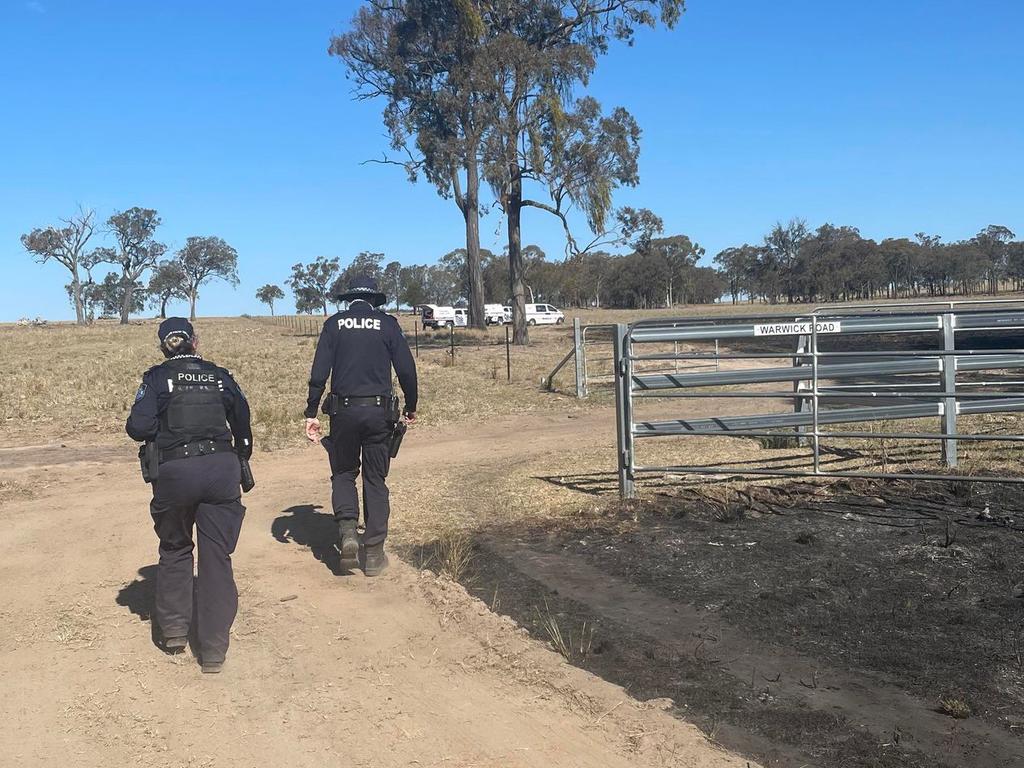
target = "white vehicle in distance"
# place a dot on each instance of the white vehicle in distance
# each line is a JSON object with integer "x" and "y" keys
{"x": 543, "y": 314}
{"x": 494, "y": 314}
{"x": 434, "y": 316}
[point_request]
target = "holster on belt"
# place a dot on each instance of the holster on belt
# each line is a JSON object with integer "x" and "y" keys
{"x": 398, "y": 427}
{"x": 149, "y": 461}
{"x": 248, "y": 482}
{"x": 330, "y": 406}
{"x": 397, "y": 433}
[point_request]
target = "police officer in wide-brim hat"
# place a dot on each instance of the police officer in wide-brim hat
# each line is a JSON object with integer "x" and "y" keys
{"x": 191, "y": 409}
{"x": 357, "y": 349}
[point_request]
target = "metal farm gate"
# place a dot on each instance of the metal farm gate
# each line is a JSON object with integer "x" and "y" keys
{"x": 832, "y": 375}
{"x": 592, "y": 352}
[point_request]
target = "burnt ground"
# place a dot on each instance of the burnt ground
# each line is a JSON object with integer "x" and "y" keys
{"x": 839, "y": 625}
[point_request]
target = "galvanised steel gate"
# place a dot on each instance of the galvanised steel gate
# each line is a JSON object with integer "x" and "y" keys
{"x": 843, "y": 368}
{"x": 588, "y": 337}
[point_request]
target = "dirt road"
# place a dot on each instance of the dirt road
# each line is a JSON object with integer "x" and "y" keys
{"x": 324, "y": 669}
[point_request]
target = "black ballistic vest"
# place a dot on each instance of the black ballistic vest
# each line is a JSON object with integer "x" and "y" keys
{"x": 195, "y": 404}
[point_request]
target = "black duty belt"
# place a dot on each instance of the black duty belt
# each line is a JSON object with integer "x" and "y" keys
{"x": 195, "y": 448}
{"x": 373, "y": 400}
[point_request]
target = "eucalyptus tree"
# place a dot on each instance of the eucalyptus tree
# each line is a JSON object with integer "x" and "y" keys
{"x": 66, "y": 244}
{"x": 780, "y": 251}
{"x": 681, "y": 255}
{"x": 391, "y": 281}
{"x": 203, "y": 259}
{"x": 536, "y": 55}
{"x": 311, "y": 283}
{"x": 419, "y": 56}
{"x": 369, "y": 263}
{"x": 268, "y": 294}
{"x": 111, "y": 296}
{"x": 993, "y": 245}
{"x": 738, "y": 266}
{"x": 413, "y": 290}
{"x": 167, "y": 282}
{"x": 136, "y": 251}
{"x": 1015, "y": 263}
{"x": 902, "y": 266}
{"x": 482, "y": 89}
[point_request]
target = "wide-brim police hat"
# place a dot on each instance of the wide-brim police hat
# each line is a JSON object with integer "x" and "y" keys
{"x": 365, "y": 288}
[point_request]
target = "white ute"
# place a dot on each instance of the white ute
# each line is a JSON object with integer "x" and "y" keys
{"x": 434, "y": 316}
{"x": 494, "y": 314}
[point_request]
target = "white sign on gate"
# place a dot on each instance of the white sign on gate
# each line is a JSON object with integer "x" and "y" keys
{"x": 796, "y": 328}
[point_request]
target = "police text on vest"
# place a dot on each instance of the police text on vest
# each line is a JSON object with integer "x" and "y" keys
{"x": 197, "y": 378}
{"x": 359, "y": 323}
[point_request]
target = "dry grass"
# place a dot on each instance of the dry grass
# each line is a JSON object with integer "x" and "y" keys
{"x": 10, "y": 490}
{"x": 493, "y": 495}
{"x": 455, "y": 555}
{"x": 954, "y": 707}
{"x": 66, "y": 382}
{"x": 574, "y": 648}
{"x": 75, "y": 627}
{"x": 98, "y": 714}
{"x": 63, "y": 382}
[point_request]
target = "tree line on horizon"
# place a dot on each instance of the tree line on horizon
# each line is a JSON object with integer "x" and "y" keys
{"x": 661, "y": 270}
{"x": 792, "y": 264}
{"x": 134, "y": 254}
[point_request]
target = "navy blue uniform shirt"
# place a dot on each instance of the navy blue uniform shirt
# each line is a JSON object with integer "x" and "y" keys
{"x": 357, "y": 349}
{"x": 151, "y": 399}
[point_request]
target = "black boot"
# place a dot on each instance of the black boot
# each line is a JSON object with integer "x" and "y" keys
{"x": 349, "y": 544}
{"x": 175, "y": 644}
{"x": 376, "y": 560}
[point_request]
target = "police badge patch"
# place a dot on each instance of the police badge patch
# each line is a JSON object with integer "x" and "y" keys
{"x": 141, "y": 393}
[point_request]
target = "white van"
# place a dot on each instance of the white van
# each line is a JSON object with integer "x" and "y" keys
{"x": 434, "y": 316}
{"x": 543, "y": 314}
{"x": 494, "y": 314}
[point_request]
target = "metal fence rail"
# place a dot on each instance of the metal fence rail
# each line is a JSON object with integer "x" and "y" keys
{"x": 887, "y": 379}
{"x": 597, "y": 335}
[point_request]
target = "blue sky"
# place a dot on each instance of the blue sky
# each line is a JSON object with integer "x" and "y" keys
{"x": 230, "y": 119}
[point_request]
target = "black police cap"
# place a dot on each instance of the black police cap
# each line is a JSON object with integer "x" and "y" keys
{"x": 175, "y": 325}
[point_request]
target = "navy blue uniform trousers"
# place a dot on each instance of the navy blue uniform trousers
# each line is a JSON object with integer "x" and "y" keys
{"x": 360, "y": 437}
{"x": 201, "y": 492}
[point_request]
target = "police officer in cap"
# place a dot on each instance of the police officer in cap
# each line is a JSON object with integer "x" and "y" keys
{"x": 357, "y": 349}
{"x": 191, "y": 409}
